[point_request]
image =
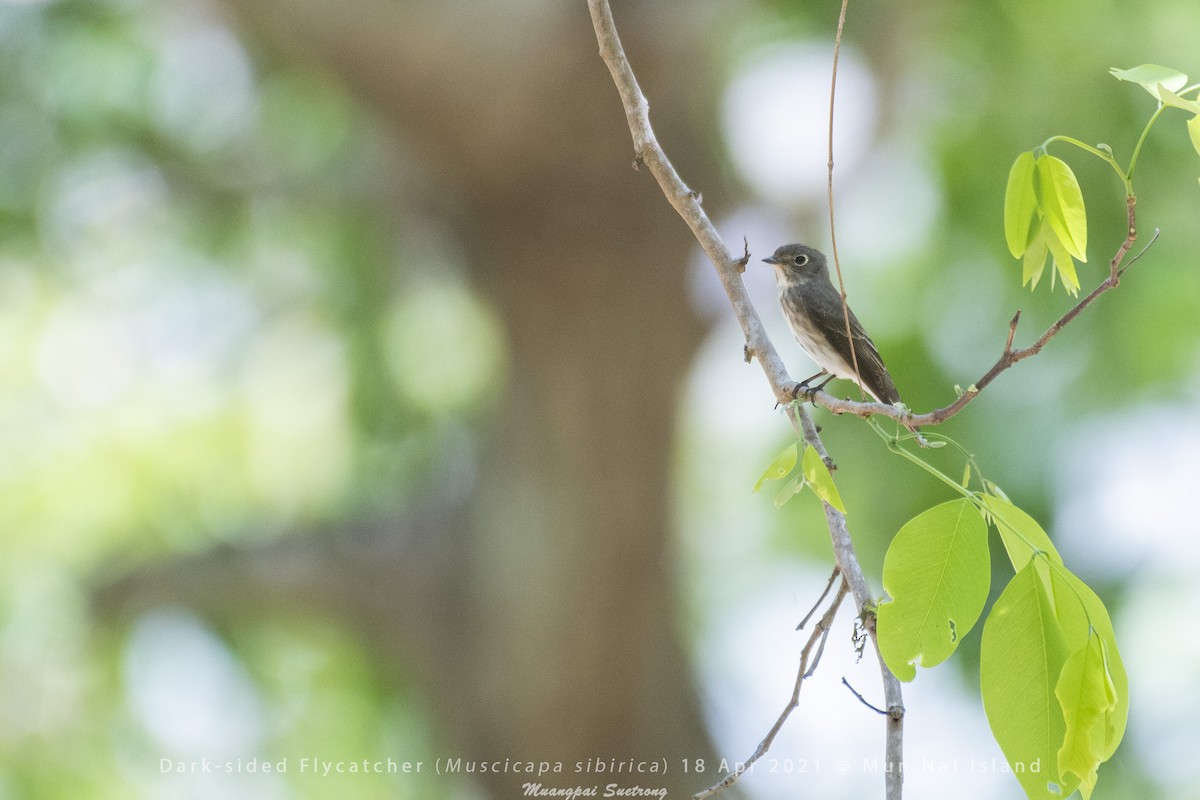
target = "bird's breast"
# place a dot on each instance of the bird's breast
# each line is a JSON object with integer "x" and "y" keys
{"x": 812, "y": 337}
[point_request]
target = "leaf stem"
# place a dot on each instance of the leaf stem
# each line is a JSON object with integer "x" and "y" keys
{"x": 894, "y": 445}
{"x": 977, "y": 499}
{"x": 1137, "y": 149}
{"x": 1126, "y": 176}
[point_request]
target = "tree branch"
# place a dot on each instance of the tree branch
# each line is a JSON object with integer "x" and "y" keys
{"x": 816, "y": 638}
{"x": 1008, "y": 357}
{"x": 687, "y": 203}
{"x": 847, "y": 561}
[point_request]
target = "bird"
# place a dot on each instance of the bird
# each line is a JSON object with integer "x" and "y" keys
{"x": 813, "y": 310}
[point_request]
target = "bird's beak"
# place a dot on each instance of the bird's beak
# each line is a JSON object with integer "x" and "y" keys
{"x": 770, "y": 260}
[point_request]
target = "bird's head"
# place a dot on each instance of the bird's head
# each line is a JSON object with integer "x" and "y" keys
{"x": 797, "y": 262}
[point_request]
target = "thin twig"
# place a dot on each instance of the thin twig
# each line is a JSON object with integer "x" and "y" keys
{"x": 832, "y": 577}
{"x": 837, "y": 262}
{"x": 847, "y": 561}
{"x": 817, "y": 638}
{"x": 1141, "y": 253}
{"x": 862, "y": 699}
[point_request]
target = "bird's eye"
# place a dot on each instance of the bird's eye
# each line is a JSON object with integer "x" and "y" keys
{"x": 800, "y": 260}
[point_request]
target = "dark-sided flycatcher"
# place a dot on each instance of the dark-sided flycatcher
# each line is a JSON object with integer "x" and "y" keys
{"x": 813, "y": 310}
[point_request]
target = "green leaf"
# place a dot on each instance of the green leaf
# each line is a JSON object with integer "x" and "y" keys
{"x": 1193, "y": 126}
{"x": 1021, "y": 658}
{"x": 1020, "y": 204}
{"x": 1169, "y": 98}
{"x": 1064, "y": 266}
{"x": 1088, "y": 697}
{"x": 937, "y": 571}
{"x": 1062, "y": 203}
{"x": 1081, "y": 613}
{"x": 1151, "y": 76}
{"x": 1035, "y": 258}
{"x": 783, "y": 464}
{"x": 1021, "y": 534}
{"x": 818, "y": 477}
{"x": 1050, "y": 630}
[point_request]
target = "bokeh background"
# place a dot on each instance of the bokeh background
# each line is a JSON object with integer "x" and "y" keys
{"x": 359, "y": 401}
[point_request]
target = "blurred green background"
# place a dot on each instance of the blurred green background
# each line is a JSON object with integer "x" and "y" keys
{"x": 359, "y": 402}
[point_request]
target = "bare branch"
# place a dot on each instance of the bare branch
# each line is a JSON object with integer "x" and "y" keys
{"x": 847, "y": 561}
{"x": 816, "y": 638}
{"x": 832, "y": 577}
{"x": 686, "y": 202}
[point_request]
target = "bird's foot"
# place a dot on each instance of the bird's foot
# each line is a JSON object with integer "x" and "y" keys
{"x": 809, "y": 392}
{"x": 802, "y": 389}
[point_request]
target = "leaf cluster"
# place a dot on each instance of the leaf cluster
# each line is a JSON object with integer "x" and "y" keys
{"x": 813, "y": 473}
{"x": 1044, "y": 212}
{"x": 1054, "y": 688}
{"x": 1053, "y": 684}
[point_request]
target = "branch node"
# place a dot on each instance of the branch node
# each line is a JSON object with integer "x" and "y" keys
{"x": 821, "y": 599}
{"x": 1134, "y": 260}
{"x": 793, "y": 390}
{"x": 740, "y": 264}
{"x": 1012, "y": 331}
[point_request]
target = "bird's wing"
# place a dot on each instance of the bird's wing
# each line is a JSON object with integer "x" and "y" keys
{"x": 870, "y": 364}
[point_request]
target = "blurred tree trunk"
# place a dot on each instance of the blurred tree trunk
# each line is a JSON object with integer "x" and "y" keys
{"x": 551, "y": 633}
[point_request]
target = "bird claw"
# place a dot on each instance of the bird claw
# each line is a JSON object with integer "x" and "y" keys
{"x": 797, "y": 389}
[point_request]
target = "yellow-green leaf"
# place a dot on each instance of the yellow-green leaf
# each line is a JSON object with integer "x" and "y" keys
{"x": 818, "y": 477}
{"x": 1020, "y": 660}
{"x": 1151, "y": 76}
{"x": 1088, "y": 698}
{"x": 790, "y": 490}
{"x": 1020, "y": 204}
{"x": 783, "y": 464}
{"x": 1169, "y": 98}
{"x": 1064, "y": 266}
{"x": 937, "y": 572}
{"x": 1062, "y": 204}
{"x": 1021, "y": 534}
{"x": 995, "y": 490}
{"x": 1034, "y": 263}
{"x": 1081, "y": 614}
{"x": 1194, "y": 131}
{"x": 1053, "y": 684}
